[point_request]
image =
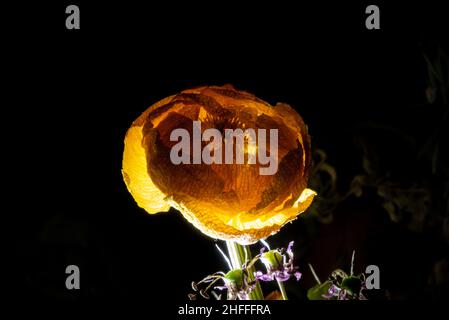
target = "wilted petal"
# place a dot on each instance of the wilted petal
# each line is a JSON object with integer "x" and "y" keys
{"x": 290, "y": 249}
{"x": 282, "y": 276}
{"x": 333, "y": 290}
{"x": 263, "y": 277}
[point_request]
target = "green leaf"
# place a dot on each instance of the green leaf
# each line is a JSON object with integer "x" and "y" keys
{"x": 317, "y": 292}
{"x": 235, "y": 277}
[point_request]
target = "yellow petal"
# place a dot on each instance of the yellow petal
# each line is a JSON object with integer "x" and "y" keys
{"x": 136, "y": 177}
{"x": 212, "y": 221}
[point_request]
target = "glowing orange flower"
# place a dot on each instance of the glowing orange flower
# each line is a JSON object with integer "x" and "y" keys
{"x": 225, "y": 201}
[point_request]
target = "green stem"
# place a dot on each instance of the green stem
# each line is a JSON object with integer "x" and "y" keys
{"x": 237, "y": 255}
{"x": 282, "y": 288}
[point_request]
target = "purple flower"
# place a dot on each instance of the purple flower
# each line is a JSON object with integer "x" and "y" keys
{"x": 344, "y": 286}
{"x": 333, "y": 291}
{"x": 279, "y": 264}
{"x": 237, "y": 284}
{"x": 341, "y": 292}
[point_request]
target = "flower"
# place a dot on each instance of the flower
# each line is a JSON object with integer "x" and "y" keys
{"x": 236, "y": 282}
{"x": 277, "y": 265}
{"x": 224, "y": 201}
{"x": 345, "y": 292}
{"x": 238, "y": 285}
{"x": 345, "y": 287}
{"x": 333, "y": 291}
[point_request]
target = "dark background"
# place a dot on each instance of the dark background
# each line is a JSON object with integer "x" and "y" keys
{"x": 75, "y": 93}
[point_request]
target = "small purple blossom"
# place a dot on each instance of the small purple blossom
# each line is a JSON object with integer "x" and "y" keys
{"x": 235, "y": 292}
{"x": 344, "y": 286}
{"x": 343, "y": 294}
{"x": 236, "y": 282}
{"x": 333, "y": 291}
{"x": 279, "y": 264}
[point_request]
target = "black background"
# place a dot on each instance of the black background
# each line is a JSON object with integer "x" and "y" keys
{"x": 75, "y": 93}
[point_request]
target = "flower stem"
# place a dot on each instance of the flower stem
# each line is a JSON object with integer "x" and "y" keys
{"x": 238, "y": 254}
{"x": 282, "y": 288}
